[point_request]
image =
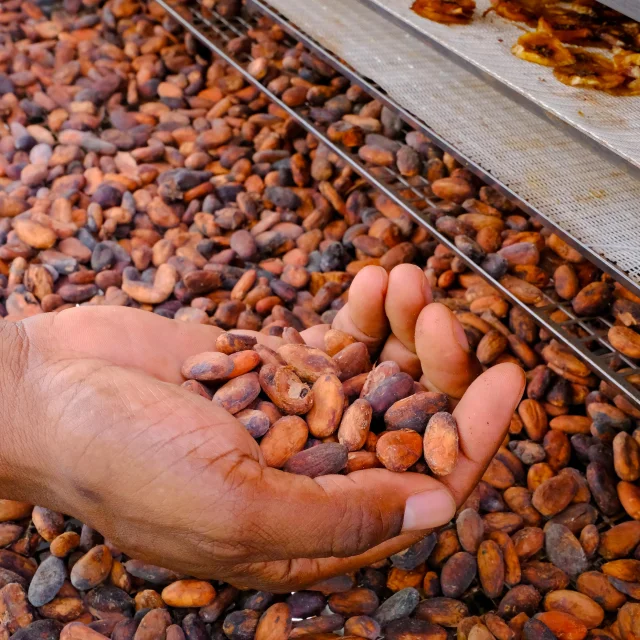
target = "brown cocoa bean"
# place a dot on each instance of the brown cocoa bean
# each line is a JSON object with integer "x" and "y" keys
{"x": 352, "y": 360}
{"x": 239, "y": 393}
{"x": 355, "y": 602}
{"x": 275, "y": 623}
{"x": 415, "y": 411}
{"x": 554, "y": 495}
{"x": 92, "y": 569}
{"x": 285, "y": 389}
{"x": 388, "y": 392}
{"x": 470, "y": 529}
{"x": 285, "y": 438}
{"x": 207, "y": 367}
{"x": 491, "y": 568}
{"x": 189, "y": 593}
{"x": 230, "y": 343}
{"x": 355, "y": 424}
{"x": 457, "y": 574}
{"x": 445, "y": 612}
{"x": 153, "y": 625}
{"x": 520, "y": 599}
{"x": 326, "y": 413}
{"x": 596, "y": 586}
{"x": 399, "y": 450}
{"x": 576, "y": 604}
{"x": 593, "y": 299}
{"x": 320, "y": 460}
{"x": 308, "y": 363}
{"x": 15, "y": 612}
{"x": 564, "y": 550}
{"x": 544, "y": 576}
{"x": 441, "y": 443}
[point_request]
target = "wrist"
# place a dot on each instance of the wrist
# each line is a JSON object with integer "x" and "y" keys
{"x": 16, "y": 471}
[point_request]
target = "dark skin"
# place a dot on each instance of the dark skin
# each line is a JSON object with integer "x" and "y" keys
{"x": 95, "y": 425}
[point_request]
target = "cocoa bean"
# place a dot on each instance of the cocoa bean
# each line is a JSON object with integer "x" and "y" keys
{"x": 564, "y": 550}
{"x": 491, "y": 568}
{"x": 354, "y": 426}
{"x": 189, "y": 593}
{"x": 444, "y": 612}
{"x": 238, "y": 394}
{"x": 520, "y": 599}
{"x": 151, "y": 573}
{"x": 275, "y": 623}
{"x": 399, "y": 450}
{"x": 576, "y": 604}
{"x": 326, "y": 414}
{"x": 544, "y": 576}
{"x": 536, "y": 629}
{"x": 596, "y": 586}
{"x": 400, "y": 605}
{"x": 207, "y": 367}
{"x": 416, "y": 554}
{"x": 308, "y": 363}
{"x": 412, "y": 628}
{"x": 15, "y": 612}
{"x": 457, "y": 574}
{"x": 441, "y": 443}
{"x": 320, "y": 460}
{"x": 554, "y": 495}
{"x": 92, "y": 568}
{"x": 46, "y": 582}
{"x": 153, "y": 625}
{"x": 415, "y": 411}
{"x": 356, "y": 602}
{"x": 285, "y": 438}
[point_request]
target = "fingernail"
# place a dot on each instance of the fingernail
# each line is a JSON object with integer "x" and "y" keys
{"x": 460, "y": 334}
{"x": 428, "y": 510}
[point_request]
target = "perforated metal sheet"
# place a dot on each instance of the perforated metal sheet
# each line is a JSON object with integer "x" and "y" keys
{"x": 612, "y": 121}
{"x": 592, "y": 198}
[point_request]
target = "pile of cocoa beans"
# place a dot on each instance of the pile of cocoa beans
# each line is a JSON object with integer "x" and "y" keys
{"x": 340, "y": 396}
{"x": 136, "y": 171}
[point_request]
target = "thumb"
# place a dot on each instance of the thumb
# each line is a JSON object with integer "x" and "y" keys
{"x": 342, "y": 516}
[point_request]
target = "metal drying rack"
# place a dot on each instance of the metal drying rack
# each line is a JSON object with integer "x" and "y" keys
{"x": 504, "y": 73}
{"x": 214, "y": 32}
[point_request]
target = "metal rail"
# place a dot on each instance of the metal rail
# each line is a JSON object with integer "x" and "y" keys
{"x": 214, "y": 31}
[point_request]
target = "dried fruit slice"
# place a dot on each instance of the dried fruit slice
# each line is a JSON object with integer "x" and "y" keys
{"x": 512, "y": 10}
{"x": 569, "y": 26}
{"x": 572, "y": 34}
{"x": 445, "y": 11}
{"x": 590, "y": 71}
{"x": 535, "y": 6}
{"x": 542, "y": 47}
{"x": 631, "y": 88}
{"x": 628, "y": 63}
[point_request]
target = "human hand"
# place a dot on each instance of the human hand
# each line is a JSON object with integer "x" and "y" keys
{"x": 98, "y": 428}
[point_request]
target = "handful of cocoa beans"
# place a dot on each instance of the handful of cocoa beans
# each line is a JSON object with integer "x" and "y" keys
{"x": 317, "y": 412}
